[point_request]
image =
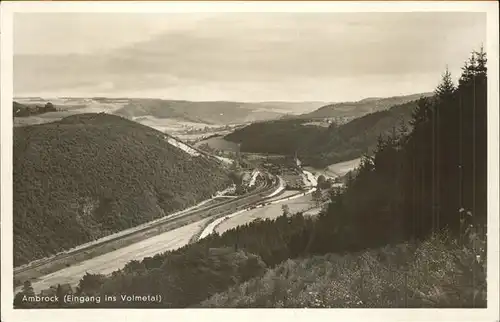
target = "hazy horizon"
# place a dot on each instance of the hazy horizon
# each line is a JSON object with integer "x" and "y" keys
{"x": 242, "y": 57}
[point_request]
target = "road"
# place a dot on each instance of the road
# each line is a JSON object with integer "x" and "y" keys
{"x": 296, "y": 202}
{"x": 148, "y": 242}
{"x": 178, "y": 237}
{"x": 266, "y": 209}
{"x": 112, "y": 261}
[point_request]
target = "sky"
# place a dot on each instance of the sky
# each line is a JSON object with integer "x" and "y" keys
{"x": 240, "y": 56}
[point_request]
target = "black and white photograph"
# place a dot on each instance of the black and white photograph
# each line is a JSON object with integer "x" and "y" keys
{"x": 250, "y": 155}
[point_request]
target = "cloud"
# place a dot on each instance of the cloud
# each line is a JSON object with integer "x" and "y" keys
{"x": 226, "y": 55}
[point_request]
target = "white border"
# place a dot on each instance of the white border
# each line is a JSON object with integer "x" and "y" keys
{"x": 492, "y": 49}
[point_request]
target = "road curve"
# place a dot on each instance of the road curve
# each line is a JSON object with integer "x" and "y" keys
{"x": 112, "y": 261}
{"x": 173, "y": 238}
{"x": 310, "y": 181}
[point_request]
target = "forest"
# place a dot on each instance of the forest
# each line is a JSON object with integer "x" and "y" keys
{"x": 319, "y": 146}
{"x": 419, "y": 200}
{"x": 22, "y": 110}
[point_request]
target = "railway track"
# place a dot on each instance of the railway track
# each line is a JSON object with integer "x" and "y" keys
{"x": 63, "y": 260}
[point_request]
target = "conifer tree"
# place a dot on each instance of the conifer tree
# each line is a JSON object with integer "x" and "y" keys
{"x": 421, "y": 112}
{"x": 481, "y": 61}
{"x": 446, "y": 88}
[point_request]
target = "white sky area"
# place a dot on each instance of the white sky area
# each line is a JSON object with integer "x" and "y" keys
{"x": 240, "y": 56}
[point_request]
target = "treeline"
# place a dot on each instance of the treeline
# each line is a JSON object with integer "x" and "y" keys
{"x": 318, "y": 146}
{"x": 91, "y": 175}
{"x": 21, "y": 110}
{"x": 416, "y": 183}
{"x": 420, "y": 181}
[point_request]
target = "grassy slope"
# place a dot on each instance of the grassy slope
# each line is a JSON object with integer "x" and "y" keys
{"x": 89, "y": 175}
{"x": 434, "y": 273}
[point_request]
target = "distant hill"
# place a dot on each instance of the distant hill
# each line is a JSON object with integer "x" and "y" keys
{"x": 23, "y": 110}
{"x": 213, "y": 112}
{"x": 320, "y": 146}
{"x": 89, "y": 175}
{"x": 210, "y": 112}
{"x": 357, "y": 109}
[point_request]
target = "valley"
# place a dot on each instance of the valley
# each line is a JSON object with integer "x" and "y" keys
{"x": 112, "y": 252}
{"x": 213, "y": 215}
{"x": 262, "y": 157}
{"x": 276, "y": 182}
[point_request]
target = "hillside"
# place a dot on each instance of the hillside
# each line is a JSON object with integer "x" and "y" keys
{"x": 277, "y": 137}
{"x": 212, "y": 112}
{"x": 320, "y": 146}
{"x": 357, "y": 109}
{"x": 355, "y": 138}
{"x": 90, "y": 175}
{"x": 157, "y": 109}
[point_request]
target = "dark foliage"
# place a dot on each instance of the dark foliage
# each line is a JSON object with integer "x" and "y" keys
{"x": 319, "y": 146}
{"x": 90, "y": 175}
{"x": 420, "y": 182}
{"x": 21, "y": 110}
{"x": 277, "y": 137}
{"x": 354, "y": 139}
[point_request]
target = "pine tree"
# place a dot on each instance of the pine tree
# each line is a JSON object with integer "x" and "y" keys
{"x": 403, "y": 132}
{"x": 421, "y": 112}
{"x": 446, "y": 88}
{"x": 481, "y": 60}
{"x": 469, "y": 69}
{"x": 381, "y": 144}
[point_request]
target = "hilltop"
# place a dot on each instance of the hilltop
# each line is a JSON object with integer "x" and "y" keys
{"x": 351, "y": 110}
{"x": 89, "y": 175}
{"x": 196, "y": 112}
{"x": 222, "y": 112}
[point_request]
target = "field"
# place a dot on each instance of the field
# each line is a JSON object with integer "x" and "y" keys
{"x": 183, "y": 129}
{"x": 268, "y": 212}
{"x": 219, "y": 143}
{"x": 336, "y": 170}
{"x": 317, "y": 123}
